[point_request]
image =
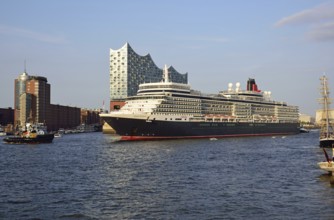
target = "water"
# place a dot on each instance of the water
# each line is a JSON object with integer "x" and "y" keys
{"x": 89, "y": 176}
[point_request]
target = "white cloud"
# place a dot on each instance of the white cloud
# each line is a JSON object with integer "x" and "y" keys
{"x": 20, "y": 32}
{"x": 323, "y": 32}
{"x": 319, "y": 20}
{"x": 320, "y": 13}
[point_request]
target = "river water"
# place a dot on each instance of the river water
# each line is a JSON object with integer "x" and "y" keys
{"x": 90, "y": 176}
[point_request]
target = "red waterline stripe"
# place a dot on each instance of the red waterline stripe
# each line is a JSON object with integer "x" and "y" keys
{"x": 146, "y": 138}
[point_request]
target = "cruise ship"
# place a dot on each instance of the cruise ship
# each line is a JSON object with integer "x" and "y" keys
{"x": 168, "y": 110}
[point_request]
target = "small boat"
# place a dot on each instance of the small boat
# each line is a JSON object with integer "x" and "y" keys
{"x": 326, "y": 131}
{"x": 57, "y": 135}
{"x": 2, "y": 132}
{"x": 304, "y": 130}
{"x": 33, "y": 134}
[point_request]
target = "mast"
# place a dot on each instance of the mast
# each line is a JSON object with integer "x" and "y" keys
{"x": 326, "y": 128}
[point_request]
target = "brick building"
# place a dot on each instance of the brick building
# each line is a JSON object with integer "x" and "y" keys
{"x": 6, "y": 116}
{"x": 90, "y": 116}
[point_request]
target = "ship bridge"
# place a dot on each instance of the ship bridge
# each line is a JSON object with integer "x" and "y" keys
{"x": 163, "y": 87}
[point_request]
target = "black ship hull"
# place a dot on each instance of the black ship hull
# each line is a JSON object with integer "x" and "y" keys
{"x": 46, "y": 138}
{"x": 139, "y": 129}
{"x": 327, "y": 143}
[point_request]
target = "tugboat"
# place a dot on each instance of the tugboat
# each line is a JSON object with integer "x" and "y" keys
{"x": 326, "y": 130}
{"x": 33, "y": 134}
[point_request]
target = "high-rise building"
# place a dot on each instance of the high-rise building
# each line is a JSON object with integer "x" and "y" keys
{"x": 128, "y": 70}
{"x": 39, "y": 88}
{"x": 20, "y": 88}
{"x": 32, "y": 97}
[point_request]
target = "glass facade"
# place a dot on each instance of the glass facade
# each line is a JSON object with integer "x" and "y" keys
{"x": 128, "y": 70}
{"x": 20, "y": 88}
{"x": 26, "y": 108}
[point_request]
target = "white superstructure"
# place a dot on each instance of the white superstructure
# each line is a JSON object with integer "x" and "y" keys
{"x": 178, "y": 102}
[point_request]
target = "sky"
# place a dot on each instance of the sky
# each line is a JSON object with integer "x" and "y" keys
{"x": 285, "y": 45}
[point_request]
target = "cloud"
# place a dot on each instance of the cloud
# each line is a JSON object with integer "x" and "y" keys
{"x": 323, "y": 32}
{"x": 320, "y": 13}
{"x": 20, "y": 32}
{"x": 319, "y": 20}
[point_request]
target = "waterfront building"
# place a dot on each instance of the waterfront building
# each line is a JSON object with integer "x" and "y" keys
{"x": 6, "y": 116}
{"x": 20, "y": 88}
{"x": 60, "y": 116}
{"x": 32, "y": 104}
{"x": 129, "y": 69}
{"x": 31, "y": 99}
{"x": 39, "y": 88}
{"x": 89, "y": 116}
{"x": 306, "y": 119}
{"x": 320, "y": 114}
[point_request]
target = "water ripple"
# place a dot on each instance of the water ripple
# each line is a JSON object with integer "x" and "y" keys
{"x": 90, "y": 176}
